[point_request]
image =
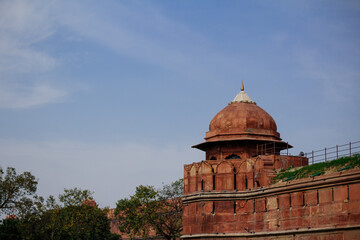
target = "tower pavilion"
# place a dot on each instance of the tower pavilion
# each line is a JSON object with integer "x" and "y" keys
{"x": 242, "y": 150}
{"x": 240, "y": 131}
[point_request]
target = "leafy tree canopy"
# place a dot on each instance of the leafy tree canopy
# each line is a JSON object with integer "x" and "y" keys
{"x": 154, "y": 210}
{"x": 9, "y": 229}
{"x": 65, "y": 218}
{"x": 69, "y": 220}
{"x": 74, "y": 197}
{"x": 16, "y": 190}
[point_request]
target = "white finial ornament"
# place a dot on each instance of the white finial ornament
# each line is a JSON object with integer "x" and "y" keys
{"x": 242, "y": 96}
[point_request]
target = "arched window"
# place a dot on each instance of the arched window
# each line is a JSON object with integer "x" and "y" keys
{"x": 213, "y": 158}
{"x": 213, "y": 178}
{"x": 235, "y": 188}
{"x": 232, "y": 156}
{"x": 202, "y": 185}
{"x": 213, "y": 181}
{"x": 246, "y": 182}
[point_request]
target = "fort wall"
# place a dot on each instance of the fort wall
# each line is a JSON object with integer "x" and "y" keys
{"x": 324, "y": 207}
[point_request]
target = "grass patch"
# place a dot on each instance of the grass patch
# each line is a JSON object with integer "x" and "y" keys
{"x": 344, "y": 163}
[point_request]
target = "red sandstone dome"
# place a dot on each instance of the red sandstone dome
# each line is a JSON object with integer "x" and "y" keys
{"x": 242, "y": 120}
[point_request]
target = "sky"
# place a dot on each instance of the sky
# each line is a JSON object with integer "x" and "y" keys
{"x": 109, "y": 95}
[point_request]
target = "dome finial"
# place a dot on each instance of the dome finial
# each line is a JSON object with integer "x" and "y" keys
{"x": 242, "y": 96}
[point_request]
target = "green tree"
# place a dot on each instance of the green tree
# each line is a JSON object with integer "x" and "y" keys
{"x": 16, "y": 190}
{"x": 168, "y": 222}
{"x": 149, "y": 209}
{"x": 10, "y": 229}
{"x": 69, "y": 220}
{"x": 74, "y": 197}
{"x": 136, "y": 213}
{"x": 41, "y": 221}
{"x": 84, "y": 222}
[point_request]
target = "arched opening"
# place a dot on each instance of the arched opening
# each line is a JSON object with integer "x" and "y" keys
{"x": 213, "y": 178}
{"x": 213, "y": 181}
{"x": 233, "y": 156}
{"x": 246, "y": 182}
{"x": 213, "y": 158}
{"x": 235, "y": 187}
{"x": 202, "y": 185}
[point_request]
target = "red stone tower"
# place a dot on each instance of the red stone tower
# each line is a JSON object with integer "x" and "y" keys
{"x": 242, "y": 150}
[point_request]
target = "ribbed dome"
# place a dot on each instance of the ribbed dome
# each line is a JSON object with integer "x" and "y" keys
{"x": 241, "y": 120}
{"x": 242, "y": 116}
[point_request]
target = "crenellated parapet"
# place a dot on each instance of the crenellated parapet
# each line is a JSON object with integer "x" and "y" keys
{"x": 236, "y": 174}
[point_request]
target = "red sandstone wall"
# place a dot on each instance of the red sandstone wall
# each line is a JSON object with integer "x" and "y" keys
{"x": 323, "y": 207}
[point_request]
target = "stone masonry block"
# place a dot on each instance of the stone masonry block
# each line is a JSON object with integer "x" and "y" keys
{"x": 297, "y": 212}
{"x": 250, "y": 206}
{"x": 353, "y": 207}
{"x": 208, "y": 207}
{"x": 297, "y": 199}
{"x": 241, "y": 206}
{"x": 284, "y": 201}
{"x": 340, "y": 193}
{"x": 224, "y": 207}
{"x": 260, "y": 205}
{"x": 325, "y": 196}
{"x": 272, "y": 203}
{"x": 311, "y": 198}
{"x": 284, "y": 213}
{"x": 354, "y": 192}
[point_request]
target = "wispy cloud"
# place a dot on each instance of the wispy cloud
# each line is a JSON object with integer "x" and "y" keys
{"x": 23, "y": 24}
{"x": 21, "y": 96}
{"x": 144, "y": 33}
{"x": 140, "y": 32}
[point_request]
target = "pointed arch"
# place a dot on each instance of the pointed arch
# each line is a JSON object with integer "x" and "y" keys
{"x": 244, "y": 178}
{"x": 193, "y": 179}
{"x": 224, "y": 180}
{"x": 206, "y": 176}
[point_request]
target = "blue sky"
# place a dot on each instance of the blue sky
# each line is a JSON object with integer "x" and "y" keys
{"x": 108, "y": 95}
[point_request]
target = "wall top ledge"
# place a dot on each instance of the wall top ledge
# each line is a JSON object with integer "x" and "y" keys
{"x": 293, "y": 186}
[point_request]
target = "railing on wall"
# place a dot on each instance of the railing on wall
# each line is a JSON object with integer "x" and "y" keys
{"x": 271, "y": 148}
{"x": 322, "y": 155}
{"x": 332, "y": 153}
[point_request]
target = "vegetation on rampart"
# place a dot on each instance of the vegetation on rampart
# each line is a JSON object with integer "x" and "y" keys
{"x": 343, "y": 164}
